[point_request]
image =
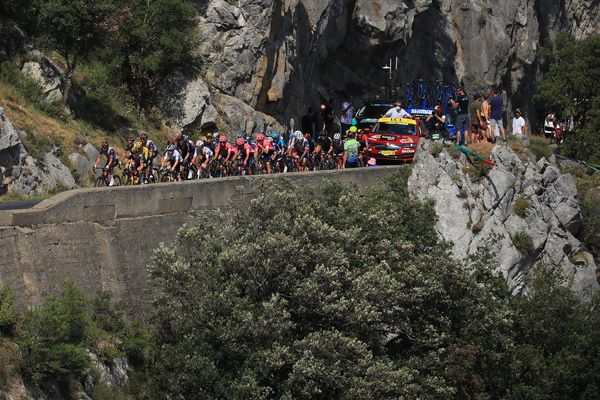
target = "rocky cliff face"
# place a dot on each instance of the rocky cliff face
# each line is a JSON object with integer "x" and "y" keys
{"x": 277, "y": 56}
{"x": 516, "y": 200}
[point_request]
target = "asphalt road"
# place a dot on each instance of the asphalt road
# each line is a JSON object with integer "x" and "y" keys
{"x": 18, "y": 205}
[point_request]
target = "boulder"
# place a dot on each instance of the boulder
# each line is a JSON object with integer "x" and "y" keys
{"x": 46, "y": 77}
{"x": 81, "y": 164}
{"x": 9, "y": 137}
{"x": 91, "y": 153}
{"x": 186, "y": 101}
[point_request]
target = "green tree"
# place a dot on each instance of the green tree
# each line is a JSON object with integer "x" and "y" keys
{"x": 557, "y": 342}
{"x": 326, "y": 294}
{"x": 53, "y": 337}
{"x": 571, "y": 80}
{"x": 151, "y": 38}
{"x": 8, "y": 312}
{"x": 72, "y": 28}
{"x": 571, "y": 88}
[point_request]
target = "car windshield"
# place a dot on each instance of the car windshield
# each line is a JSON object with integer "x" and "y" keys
{"x": 396, "y": 129}
{"x": 372, "y": 110}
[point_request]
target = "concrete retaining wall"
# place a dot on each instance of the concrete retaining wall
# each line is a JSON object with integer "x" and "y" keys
{"x": 102, "y": 238}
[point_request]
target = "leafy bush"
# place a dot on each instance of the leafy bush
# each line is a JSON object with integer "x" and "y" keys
{"x": 8, "y": 312}
{"x": 102, "y": 391}
{"x": 540, "y": 147}
{"x": 557, "y": 337}
{"x": 437, "y": 149}
{"x": 521, "y": 206}
{"x": 368, "y": 305}
{"x": 523, "y": 242}
{"x": 107, "y": 315}
{"x": 53, "y": 337}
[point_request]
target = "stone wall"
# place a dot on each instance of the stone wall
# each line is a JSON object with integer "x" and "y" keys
{"x": 103, "y": 238}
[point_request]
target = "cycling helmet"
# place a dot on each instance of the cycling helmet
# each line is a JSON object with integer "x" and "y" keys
{"x": 179, "y": 137}
{"x": 260, "y": 137}
{"x": 240, "y": 141}
{"x": 143, "y": 135}
{"x": 199, "y": 143}
{"x": 270, "y": 139}
{"x": 215, "y": 135}
{"x": 337, "y": 136}
{"x": 298, "y": 135}
{"x": 130, "y": 139}
{"x": 171, "y": 147}
{"x": 353, "y": 129}
{"x": 222, "y": 138}
{"x": 275, "y": 135}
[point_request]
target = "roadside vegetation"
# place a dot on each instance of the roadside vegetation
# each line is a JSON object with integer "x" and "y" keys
{"x": 50, "y": 344}
{"x": 371, "y": 306}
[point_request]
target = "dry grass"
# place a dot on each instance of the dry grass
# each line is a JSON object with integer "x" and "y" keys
{"x": 483, "y": 149}
{"x": 24, "y": 116}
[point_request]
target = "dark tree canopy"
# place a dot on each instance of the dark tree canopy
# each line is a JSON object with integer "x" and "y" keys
{"x": 571, "y": 88}
{"x": 150, "y": 39}
{"x": 320, "y": 295}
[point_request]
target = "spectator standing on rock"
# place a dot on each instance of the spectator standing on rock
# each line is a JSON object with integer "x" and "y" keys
{"x": 519, "y": 126}
{"x": 461, "y": 105}
{"x": 309, "y": 122}
{"x": 496, "y": 125}
{"x": 347, "y": 114}
{"x": 476, "y": 119}
{"x": 485, "y": 116}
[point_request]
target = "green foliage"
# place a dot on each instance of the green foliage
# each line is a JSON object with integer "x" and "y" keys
{"x": 437, "y": 149}
{"x": 102, "y": 391}
{"x": 38, "y": 145}
{"x": 53, "y": 336}
{"x": 571, "y": 81}
{"x": 571, "y": 87}
{"x": 558, "y": 339}
{"x": 588, "y": 188}
{"x": 106, "y": 315}
{"x": 540, "y": 147}
{"x": 28, "y": 88}
{"x": 352, "y": 297}
{"x": 8, "y": 312}
{"x": 521, "y": 206}
{"x": 523, "y": 242}
{"x": 150, "y": 40}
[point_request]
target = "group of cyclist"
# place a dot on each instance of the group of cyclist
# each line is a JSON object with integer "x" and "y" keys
{"x": 214, "y": 155}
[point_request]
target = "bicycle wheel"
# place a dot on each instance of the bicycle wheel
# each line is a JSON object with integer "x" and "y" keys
{"x": 99, "y": 182}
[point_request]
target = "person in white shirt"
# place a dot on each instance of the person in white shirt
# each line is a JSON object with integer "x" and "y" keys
{"x": 518, "y": 125}
{"x": 397, "y": 112}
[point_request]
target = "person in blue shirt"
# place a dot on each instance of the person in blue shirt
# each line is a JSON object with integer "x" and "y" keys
{"x": 495, "y": 125}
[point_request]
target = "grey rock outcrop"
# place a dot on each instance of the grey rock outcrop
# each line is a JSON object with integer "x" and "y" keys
{"x": 91, "y": 153}
{"x": 20, "y": 173}
{"x": 81, "y": 164}
{"x": 480, "y": 214}
{"x": 46, "y": 73}
{"x": 186, "y": 101}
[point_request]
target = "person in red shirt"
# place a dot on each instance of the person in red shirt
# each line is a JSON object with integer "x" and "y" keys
{"x": 245, "y": 154}
{"x": 264, "y": 151}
